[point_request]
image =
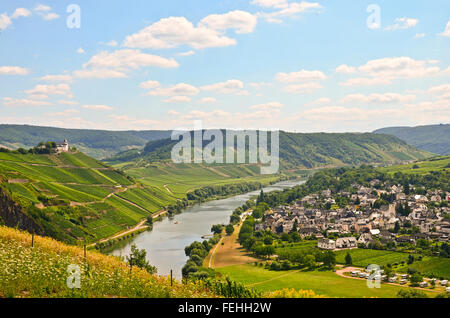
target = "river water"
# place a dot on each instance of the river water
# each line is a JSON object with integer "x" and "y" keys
{"x": 166, "y": 242}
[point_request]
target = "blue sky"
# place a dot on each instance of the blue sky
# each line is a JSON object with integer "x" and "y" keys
{"x": 303, "y": 66}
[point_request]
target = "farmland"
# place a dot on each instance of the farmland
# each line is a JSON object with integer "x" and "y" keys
{"x": 365, "y": 257}
{"x": 325, "y": 283}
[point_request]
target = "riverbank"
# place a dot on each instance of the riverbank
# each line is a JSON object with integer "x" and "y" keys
{"x": 166, "y": 242}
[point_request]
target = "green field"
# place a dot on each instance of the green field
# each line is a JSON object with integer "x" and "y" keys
{"x": 324, "y": 283}
{"x": 421, "y": 167}
{"x": 365, "y": 257}
{"x": 177, "y": 180}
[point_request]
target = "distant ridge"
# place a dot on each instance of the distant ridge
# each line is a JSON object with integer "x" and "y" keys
{"x": 433, "y": 138}
{"x": 96, "y": 143}
{"x": 309, "y": 150}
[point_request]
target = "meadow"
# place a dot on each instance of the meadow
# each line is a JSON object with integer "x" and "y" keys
{"x": 421, "y": 167}
{"x": 365, "y": 257}
{"x": 42, "y": 271}
{"x": 324, "y": 283}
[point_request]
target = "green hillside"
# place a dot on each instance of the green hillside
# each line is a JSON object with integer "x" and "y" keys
{"x": 96, "y": 143}
{"x": 433, "y": 138}
{"x": 71, "y": 196}
{"x": 300, "y": 151}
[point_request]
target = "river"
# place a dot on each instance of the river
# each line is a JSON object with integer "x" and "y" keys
{"x": 166, "y": 242}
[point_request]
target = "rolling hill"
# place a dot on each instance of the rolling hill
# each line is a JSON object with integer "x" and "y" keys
{"x": 306, "y": 151}
{"x": 433, "y": 138}
{"x": 96, "y": 143}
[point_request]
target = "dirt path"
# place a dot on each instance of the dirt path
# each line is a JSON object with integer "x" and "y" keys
{"x": 229, "y": 253}
{"x": 138, "y": 227}
{"x": 218, "y": 172}
{"x": 167, "y": 188}
{"x": 341, "y": 272}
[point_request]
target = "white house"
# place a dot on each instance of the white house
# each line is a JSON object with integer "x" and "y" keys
{"x": 62, "y": 147}
{"x": 326, "y": 244}
{"x": 346, "y": 242}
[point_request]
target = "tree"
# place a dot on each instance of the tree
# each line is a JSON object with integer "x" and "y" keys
{"x": 268, "y": 240}
{"x": 139, "y": 258}
{"x": 348, "y": 259}
{"x": 415, "y": 279}
{"x": 411, "y": 293}
{"x": 150, "y": 220}
{"x": 396, "y": 227}
{"x": 217, "y": 229}
{"x": 229, "y": 229}
{"x": 329, "y": 259}
{"x": 310, "y": 261}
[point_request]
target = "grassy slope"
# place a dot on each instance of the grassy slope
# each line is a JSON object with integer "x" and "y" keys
{"x": 41, "y": 271}
{"x": 433, "y": 138}
{"x": 421, "y": 167}
{"x": 324, "y": 283}
{"x": 81, "y": 186}
{"x": 177, "y": 180}
{"x": 88, "y": 201}
{"x": 300, "y": 151}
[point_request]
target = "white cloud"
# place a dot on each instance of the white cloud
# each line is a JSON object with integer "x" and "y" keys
{"x": 112, "y": 43}
{"x": 59, "y": 89}
{"x": 13, "y": 102}
{"x": 402, "y": 24}
{"x": 365, "y": 81}
{"x": 21, "y": 12}
{"x": 173, "y": 113}
{"x": 149, "y": 84}
{"x": 128, "y": 59}
{"x": 97, "y": 107}
{"x": 68, "y": 102}
{"x": 345, "y": 69}
{"x": 229, "y": 87}
{"x": 181, "y": 89}
{"x": 270, "y": 3}
{"x": 187, "y": 53}
{"x": 50, "y": 16}
{"x": 176, "y": 31}
{"x": 300, "y": 76}
{"x": 42, "y": 8}
{"x": 80, "y": 50}
{"x": 304, "y": 88}
{"x": 440, "y": 90}
{"x": 13, "y": 70}
{"x": 177, "y": 99}
{"x": 445, "y": 33}
{"x": 208, "y": 100}
{"x": 99, "y": 73}
{"x": 319, "y": 101}
{"x": 67, "y": 112}
{"x": 420, "y": 35}
{"x": 268, "y": 106}
{"x": 241, "y": 21}
{"x": 285, "y": 9}
{"x": 383, "y": 71}
{"x": 118, "y": 63}
{"x": 374, "y": 98}
{"x": 5, "y": 21}
{"x": 56, "y": 78}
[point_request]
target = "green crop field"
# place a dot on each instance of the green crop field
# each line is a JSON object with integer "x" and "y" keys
{"x": 431, "y": 266}
{"x": 365, "y": 257}
{"x": 177, "y": 180}
{"x": 421, "y": 167}
{"x": 301, "y": 246}
{"x": 324, "y": 283}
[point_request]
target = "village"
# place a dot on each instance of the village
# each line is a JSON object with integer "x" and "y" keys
{"x": 367, "y": 220}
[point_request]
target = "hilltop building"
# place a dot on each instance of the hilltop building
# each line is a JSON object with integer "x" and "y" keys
{"x": 62, "y": 147}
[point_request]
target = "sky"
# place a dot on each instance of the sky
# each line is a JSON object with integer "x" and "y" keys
{"x": 303, "y": 66}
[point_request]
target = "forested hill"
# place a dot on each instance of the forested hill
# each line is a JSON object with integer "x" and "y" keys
{"x": 433, "y": 138}
{"x": 96, "y": 143}
{"x": 309, "y": 150}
